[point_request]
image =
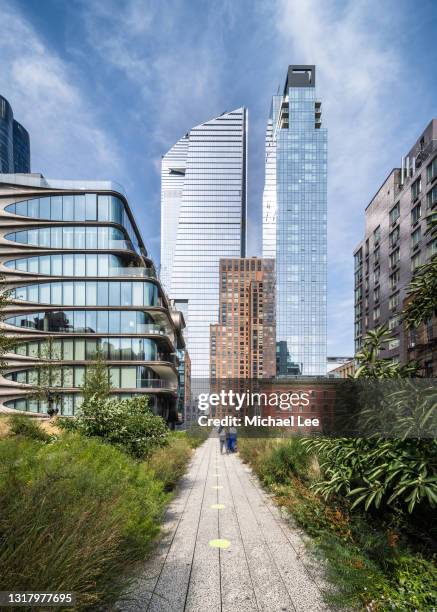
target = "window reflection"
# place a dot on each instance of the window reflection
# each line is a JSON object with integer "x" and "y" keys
{"x": 90, "y": 293}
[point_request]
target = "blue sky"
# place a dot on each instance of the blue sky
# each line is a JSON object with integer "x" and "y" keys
{"x": 106, "y": 87}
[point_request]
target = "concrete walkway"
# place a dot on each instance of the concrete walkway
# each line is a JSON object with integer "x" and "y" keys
{"x": 225, "y": 548}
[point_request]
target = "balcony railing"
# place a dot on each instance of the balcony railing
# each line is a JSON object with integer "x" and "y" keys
{"x": 156, "y": 383}
{"x": 135, "y": 272}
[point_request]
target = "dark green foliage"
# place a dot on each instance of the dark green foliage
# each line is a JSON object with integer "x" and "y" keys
{"x": 369, "y": 560}
{"x": 128, "y": 424}
{"x": 75, "y": 515}
{"x": 28, "y": 427}
{"x": 377, "y": 472}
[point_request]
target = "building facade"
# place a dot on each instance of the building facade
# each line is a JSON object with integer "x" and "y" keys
{"x": 14, "y": 142}
{"x": 79, "y": 274}
{"x": 203, "y": 219}
{"x": 396, "y": 244}
{"x": 295, "y": 223}
{"x": 243, "y": 342}
{"x": 340, "y": 367}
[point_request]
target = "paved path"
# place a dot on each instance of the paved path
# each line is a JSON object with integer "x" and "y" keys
{"x": 263, "y": 565}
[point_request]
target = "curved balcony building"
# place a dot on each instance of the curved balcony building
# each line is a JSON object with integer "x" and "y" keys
{"x": 79, "y": 274}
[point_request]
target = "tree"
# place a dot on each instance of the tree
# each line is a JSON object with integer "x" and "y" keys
{"x": 6, "y": 343}
{"x": 48, "y": 381}
{"x": 96, "y": 383}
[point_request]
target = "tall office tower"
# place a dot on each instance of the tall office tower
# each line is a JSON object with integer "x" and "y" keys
{"x": 204, "y": 202}
{"x": 243, "y": 342}
{"x": 394, "y": 246}
{"x": 75, "y": 263}
{"x": 14, "y": 142}
{"x": 294, "y": 223}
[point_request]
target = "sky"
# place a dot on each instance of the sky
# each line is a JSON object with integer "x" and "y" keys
{"x": 106, "y": 87}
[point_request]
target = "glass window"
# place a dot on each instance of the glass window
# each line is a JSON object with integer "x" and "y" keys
{"x": 114, "y": 348}
{"x": 67, "y": 376}
{"x": 32, "y": 208}
{"x": 102, "y": 294}
{"x": 56, "y": 265}
{"x": 416, "y": 213}
{"x": 103, "y": 208}
{"x": 91, "y": 321}
{"x": 91, "y": 237}
{"x": 44, "y": 236}
{"x": 431, "y": 170}
{"x": 68, "y": 264}
{"x": 79, "y": 264}
{"x": 79, "y": 294}
{"x": 79, "y": 237}
{"x": 91, "y": 293}
{"x": 56, "y": 208}
{"x": 44, "y": 208}
{"x": 91, "y": 207}
{"x": 79, "y": 207}
{"x": 33, "y": 265}
{"x": 128, "y": 377}
{"x": 102, "y": 321}
{"x": 68, "y": 293}
{"x": 56, "y": 237}
{"x": 116, "y": 210}
{"x": 91, "y": 265}
{"x": 103, "y": 265}
{"x": 103, "y": 237}
{"x": 126, "y": 294}
{"x": 44, "y": 294}
{"x": 68, "y": 349}
{"x": 114, "y": 321}
{"x": 114, "y": 294}
{"x": 80, "y": 320}
{"x": 68, "y": 237}
{"x": 79, "y": 376}
{"x": 68, "y": 208}
{"x": 44, "y": 264}
{"x": 114, "y": 374}
{"x": 56, "y": 293}
{"x": 394, "y": 213}
{"x": 79, "y": 349}
{"x": 29, "y": 209}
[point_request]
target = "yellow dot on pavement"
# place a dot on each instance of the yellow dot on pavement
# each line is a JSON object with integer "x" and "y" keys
{"x": 217, "y": 487}
{"x": 218, "y": 506}
{"x": 219, "y": 543}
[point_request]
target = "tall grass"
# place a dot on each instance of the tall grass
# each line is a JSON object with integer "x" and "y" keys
{"x": 75, "y": 515}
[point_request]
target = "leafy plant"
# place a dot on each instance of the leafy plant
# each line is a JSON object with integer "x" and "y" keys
{"x": 128, "y": 424}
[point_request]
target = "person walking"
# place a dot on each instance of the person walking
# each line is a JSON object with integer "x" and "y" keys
{"x": 232, "y": 439}
{"x": 222, "y": 438}
{"x": 228, "y": 440}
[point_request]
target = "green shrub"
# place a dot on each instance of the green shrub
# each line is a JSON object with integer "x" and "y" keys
{"x": 128, "y": 424}
{"x": 28, "y": 427}
{"x": 196, "y": 435}
{"x": 370, "y": 562}
{"x": 75, "y": 515}
{"x": 169, "y": 464}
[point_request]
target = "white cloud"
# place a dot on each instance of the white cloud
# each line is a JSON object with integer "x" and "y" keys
{"x": 48, "y": 99}
{"x": 176, "y": 74}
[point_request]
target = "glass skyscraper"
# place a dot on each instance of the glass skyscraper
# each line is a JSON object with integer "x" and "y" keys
{"x": 14, "y": 142}
{"x": 203, "y": 219}
{"x": 294, "y": 223}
